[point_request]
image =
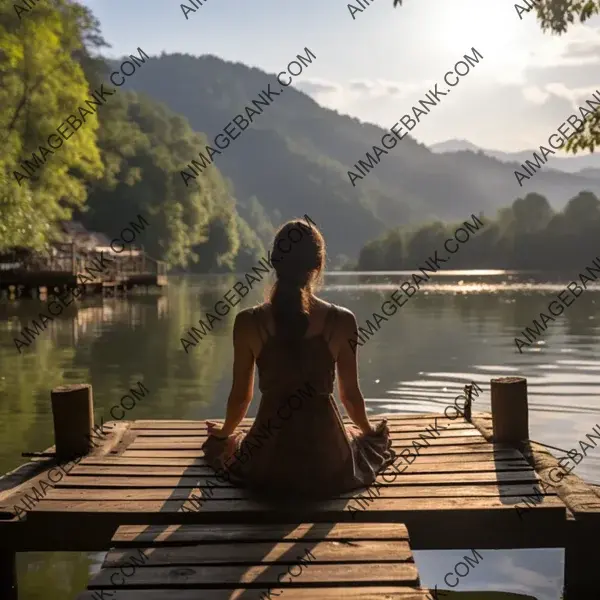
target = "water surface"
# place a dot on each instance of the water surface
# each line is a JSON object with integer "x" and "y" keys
{"x": 458, "y": 329}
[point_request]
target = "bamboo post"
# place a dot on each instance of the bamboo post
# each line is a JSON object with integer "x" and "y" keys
{"x": 8, "y": 575}
{"x": 510, "y": 415}
{"x": 73, "y": 413}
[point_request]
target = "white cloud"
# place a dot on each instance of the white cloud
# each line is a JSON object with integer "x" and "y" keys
{"x": 360, "y": 89}
{"x": 575, "y": 96}
{"x": 535, "y": 95}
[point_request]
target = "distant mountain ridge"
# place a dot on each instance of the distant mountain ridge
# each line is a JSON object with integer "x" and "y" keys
{"x": 295, "y": 158}
{"x": 581, "y": 164}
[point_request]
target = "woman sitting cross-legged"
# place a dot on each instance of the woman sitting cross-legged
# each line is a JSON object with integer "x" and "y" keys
{"x": 298, "y": 444}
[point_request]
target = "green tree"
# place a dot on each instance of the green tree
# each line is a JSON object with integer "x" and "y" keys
{"x": 395, "y": 250}
{"x": 531, "y": 213}
{"x": 371, "y": 256}
{"x": 422, "y": 241}
{"x": 144, "y": 147}
{"x": 582, "y": 211}
{"x": 525, "y": 235}
{"x": 41, "y": 84}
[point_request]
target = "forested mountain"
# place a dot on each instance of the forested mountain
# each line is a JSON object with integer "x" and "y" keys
{"x": 528, "y": 235}
{"x": 291, "y": 159}
{"x": 295, "y": 157}
{"x": 128, "y": 156}
{"x": 581, "y": 163}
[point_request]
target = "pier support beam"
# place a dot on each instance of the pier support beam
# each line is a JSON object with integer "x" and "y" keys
{"x": 73, "y": 412}
{"x": 581, "y": 559}
{"x": 510, "y": 414}
{"x": 8, "y": 575}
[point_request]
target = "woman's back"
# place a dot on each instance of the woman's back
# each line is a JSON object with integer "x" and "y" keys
{"x": 298, "y": 444}
{"x": 283, "y": 364}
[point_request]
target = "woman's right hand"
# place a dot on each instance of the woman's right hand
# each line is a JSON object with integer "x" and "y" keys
{"x": 380, "y": 428}
{"x": 368, "y": 430}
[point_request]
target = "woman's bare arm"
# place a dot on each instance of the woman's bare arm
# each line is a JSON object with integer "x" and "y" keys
{"x": 347, "y": 369}
{"x": 243, "y": 374}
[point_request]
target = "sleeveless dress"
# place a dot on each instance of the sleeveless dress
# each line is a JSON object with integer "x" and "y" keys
{"x": 298, "y": 444}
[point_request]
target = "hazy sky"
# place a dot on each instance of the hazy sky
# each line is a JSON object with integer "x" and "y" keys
{"x": 375, "y": 66}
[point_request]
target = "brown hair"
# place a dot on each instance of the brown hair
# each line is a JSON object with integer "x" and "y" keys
{"x": 298, "y": 257}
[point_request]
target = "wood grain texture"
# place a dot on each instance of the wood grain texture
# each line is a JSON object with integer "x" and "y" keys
{"x": 467, "y": 447}
{"x": 329, "y": 509}
{"x": 469, "y": 456}
{"x": 201, "y": 436}
{"x": 250, "y": 553}
{"x": 416, "y": 467}
{"x": 313, "y": 593}
{"x": 195, "y": 443}
{"x": 403, "y": 479}
{"x": 186, "y": 558}
{"x": 307, "y": 532}
{"x": 261, "y": 577}
{"x": 447, "y": 491}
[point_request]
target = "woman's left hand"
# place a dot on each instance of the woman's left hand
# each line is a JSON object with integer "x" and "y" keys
{"x": 217, "y": 431}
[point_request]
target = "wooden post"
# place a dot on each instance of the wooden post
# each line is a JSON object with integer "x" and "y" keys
{"x": 510, "y": 415}
{"x": 8, "y": 575}
{"x": 468, "y": 402}
{"x": 581, "y": 559}
{"x": 73, "y": 412}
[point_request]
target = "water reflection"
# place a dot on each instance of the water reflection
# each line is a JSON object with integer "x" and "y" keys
{"x": 458, "y": 329}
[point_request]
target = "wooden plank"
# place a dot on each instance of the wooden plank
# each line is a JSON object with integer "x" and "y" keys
{"x": 446, "y": 491}
{"x": 396, "y": 432}
{"x": 260, "y": 577}
{"x": 415, "y": 467}
{"x": 17, "y": 484}
{"x": 282, "y": 553}
{"x": 195, "y": 443}
{"x": 200, "y": 428}
{"x": 579, "y": 496}
{"x": 330, "y": 509}
{"x": 322, "y": 593}
{"x": 393, "y": 418}
{"x": 136, "y": 535}
{"x": 511, "y": 455}
{"x": 167, "y": 424}
{"x": 201, "y": 437}
{"x": 202, "y": 480}
{"x": 438, "y": 450}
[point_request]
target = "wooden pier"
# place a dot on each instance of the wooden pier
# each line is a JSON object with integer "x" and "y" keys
{"x": 461, "y": 492}
{"x": 358, "y": 561}
{"x": 29, "y": 274}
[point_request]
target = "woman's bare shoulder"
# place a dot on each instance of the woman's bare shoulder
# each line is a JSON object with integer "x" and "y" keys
{"x": 245, "y": 317}
{"x": 265, "y": 306}
{"x": 346, "y": 318}
{"x": 342, "y": 310}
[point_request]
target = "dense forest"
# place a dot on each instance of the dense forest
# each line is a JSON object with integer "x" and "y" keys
{"x": 529, "y": 235}
{"x": 293, "y": 160}
{"x": 123, "y": 161}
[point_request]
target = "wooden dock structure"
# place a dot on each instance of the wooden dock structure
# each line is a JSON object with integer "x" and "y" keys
{"x": 68, "y": 266}
{"x": 461, "y": 491}
{"x": 304, "y": 561}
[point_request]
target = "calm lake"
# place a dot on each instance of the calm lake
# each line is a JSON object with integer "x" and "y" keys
{"x": 459, "y": 329}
